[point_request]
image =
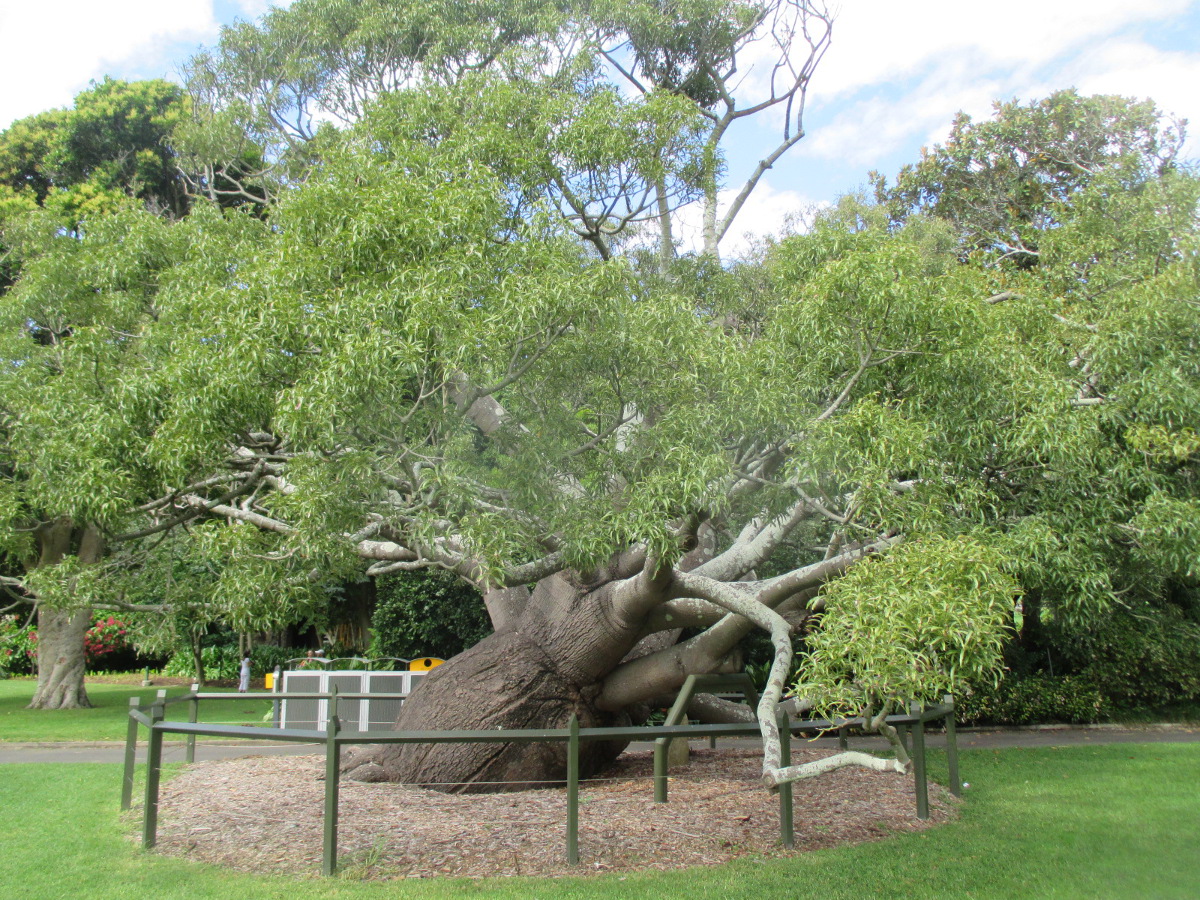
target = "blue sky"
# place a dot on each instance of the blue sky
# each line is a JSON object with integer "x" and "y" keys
{"x": 890, "y": 84}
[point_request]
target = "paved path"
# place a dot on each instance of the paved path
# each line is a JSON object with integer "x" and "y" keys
{"x": 968, "y": 739}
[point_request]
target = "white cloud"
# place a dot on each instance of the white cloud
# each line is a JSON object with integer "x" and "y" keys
{"x": 1135, "y": 69}
{"x": 767, "y": 212}
{"x": 881, "y": 41}
{"x": 901, "y": 87}
{"x": 52, "y": 49}
{"x": 252, "y": 9}
{"x": 876, "y": 125}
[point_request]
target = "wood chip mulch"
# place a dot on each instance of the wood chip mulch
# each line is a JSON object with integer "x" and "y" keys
{"x": 263, "y": 814}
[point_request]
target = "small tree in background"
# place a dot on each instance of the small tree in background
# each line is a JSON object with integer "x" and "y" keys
{"x": 428, "y": 613}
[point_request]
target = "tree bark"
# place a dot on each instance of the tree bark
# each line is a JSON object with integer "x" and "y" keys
{"x": 61, "y": 659}
{"x": 579, "y": 644}
{"x": 61, "y": 662}
{"x": 549, "y": 663}
{"x": 505, "y": 681}
{"x": 198, "y": 658}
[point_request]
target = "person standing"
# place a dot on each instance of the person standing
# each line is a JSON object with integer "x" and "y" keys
{"x": 244, "y": 679}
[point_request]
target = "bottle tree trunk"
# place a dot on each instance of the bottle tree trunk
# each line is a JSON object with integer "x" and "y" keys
{"x": 602, "y": 646}
{"x": 573, "y": 646}
{"x": 538, "y": 670}
{"x": 61, "y": 657}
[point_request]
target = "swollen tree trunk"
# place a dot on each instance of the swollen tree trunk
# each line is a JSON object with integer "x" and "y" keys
{"x": 586, "y": 645}
{"x": 548, "y": 663}
{"x": 61, "y": 659}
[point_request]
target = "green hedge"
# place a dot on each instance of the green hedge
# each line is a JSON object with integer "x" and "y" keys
{"x": 1145, "y": 659}
{"x": 426, "y": 614}
{"x": 1035, "y": 700}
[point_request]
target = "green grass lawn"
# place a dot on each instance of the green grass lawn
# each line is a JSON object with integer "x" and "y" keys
{"x": 1116, "y": 821}
{"x": 108, "y": 718}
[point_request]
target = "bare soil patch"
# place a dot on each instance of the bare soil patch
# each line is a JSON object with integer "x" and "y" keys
{"x": 263, "y": 814}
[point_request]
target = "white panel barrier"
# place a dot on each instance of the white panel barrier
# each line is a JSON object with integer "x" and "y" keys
{"x": 362, "y": 715}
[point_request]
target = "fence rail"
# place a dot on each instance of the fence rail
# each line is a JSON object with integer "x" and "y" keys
{"x": 333, "y": 738}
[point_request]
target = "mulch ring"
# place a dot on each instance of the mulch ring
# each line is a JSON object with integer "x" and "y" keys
{"x": 263, "y": 814}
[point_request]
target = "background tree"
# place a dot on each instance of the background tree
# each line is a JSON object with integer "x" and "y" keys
{"x": 1004, "y": 181}
{"x": 70, "y": 327}
{"x": 1080, "y": 198}
{"x": 428, "y": 613}
{"x": 607, "y": 161}
{"x": 111, "y": 144}
{"x": 73, "y": 182}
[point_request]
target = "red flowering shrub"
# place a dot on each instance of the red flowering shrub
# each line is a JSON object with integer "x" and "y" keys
{"x": 103, "y": 639}
{"x": 18, "y": 645}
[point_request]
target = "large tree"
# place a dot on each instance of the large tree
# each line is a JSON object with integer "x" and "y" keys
{"x": 412, "y": 358}
{"x": 398, "y": 365}
{"x": 614, "y": 113}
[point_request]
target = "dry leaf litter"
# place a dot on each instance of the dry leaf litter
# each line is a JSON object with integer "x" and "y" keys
{"x": 264, "y": 814}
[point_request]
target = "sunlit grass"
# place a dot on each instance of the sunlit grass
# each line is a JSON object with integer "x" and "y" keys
{"x": 108, "y": 718}
{"x": 1117, "y": 821}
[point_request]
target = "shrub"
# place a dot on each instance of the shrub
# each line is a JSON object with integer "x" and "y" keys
{"x": 17, "y": 647}
{"x": 265, "y": 657}
{"x": 104, "y": 640}
{"x": 105, "y": 646}
{"x": 1034, "y": 700}
{"x": 1147, "y": 659}
{"x": 222, "y": 661}
{"x": 426, "y": 614}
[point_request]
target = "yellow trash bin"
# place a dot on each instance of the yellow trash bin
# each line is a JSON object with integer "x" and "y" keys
{"x": 269, "y": 681}
{"x": 424, "y": 664}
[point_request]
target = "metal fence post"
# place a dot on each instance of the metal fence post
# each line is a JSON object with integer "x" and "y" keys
{"x": 153, "y": 771}
{"x": 952, "y": 748}
{"x": 660, "y": 770}
{"x": 130, "y": 756}
{"x": 573, "y": 791}
{"x": 276, "y": 687}
{"x": 918, "y": 755}
{"x": 662, "y": 746}
{"x": 193, "y": 717}
{"x": 786, "y": 821}
{"x": 332, "y": 773}
{"x": 843, "y": 743}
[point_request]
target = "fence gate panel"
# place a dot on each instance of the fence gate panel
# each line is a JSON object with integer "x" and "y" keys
{"x": 381, "y": 714}
{"x": 349, "y": 711}
{"x": 303, "y": 713}
{"x": 373, "y": 714}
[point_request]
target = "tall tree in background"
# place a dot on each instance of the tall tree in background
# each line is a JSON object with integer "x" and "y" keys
{"x": 70, "y": 181}
{"x": 616, "y": 111}
{"x": 112, "y": 144}
{"x": 1005, "y": 181}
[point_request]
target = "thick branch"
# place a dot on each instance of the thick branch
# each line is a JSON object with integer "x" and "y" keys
{"x": 243, "y": 515}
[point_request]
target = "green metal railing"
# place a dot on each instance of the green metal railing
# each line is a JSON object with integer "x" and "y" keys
{"x": 333, "y": 738}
